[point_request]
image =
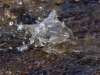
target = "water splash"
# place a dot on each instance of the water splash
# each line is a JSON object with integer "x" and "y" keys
{"x": 50, "y": 30}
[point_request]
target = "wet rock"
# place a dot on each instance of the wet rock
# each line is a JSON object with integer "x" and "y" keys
{"x": 5, "y": 2}
{"x": 9, "y": 15}
{"x": 44, "y": 1}
{"x": 10, "y": 38}
{"x": 96, "y": 13}
{"x": 59, "y": 1}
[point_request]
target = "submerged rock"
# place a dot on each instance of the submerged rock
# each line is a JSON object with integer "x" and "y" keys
{"x": 50, "y": 30}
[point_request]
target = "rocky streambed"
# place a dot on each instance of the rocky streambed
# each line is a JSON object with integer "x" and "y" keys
{"x": 81, "y": 56}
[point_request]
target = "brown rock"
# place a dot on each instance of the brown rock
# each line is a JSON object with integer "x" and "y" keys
{"x": 44, "y": 1}
{"x": 59, "y": 1}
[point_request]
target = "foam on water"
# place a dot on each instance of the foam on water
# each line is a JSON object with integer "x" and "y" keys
{"x": 22, "y": 48}
{"x": 20, "y": 27}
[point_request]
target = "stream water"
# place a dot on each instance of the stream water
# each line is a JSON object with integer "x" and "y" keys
{"x": 81, "y": 56}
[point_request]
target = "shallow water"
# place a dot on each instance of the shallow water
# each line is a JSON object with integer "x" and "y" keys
{"x": 80, "y": 58}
